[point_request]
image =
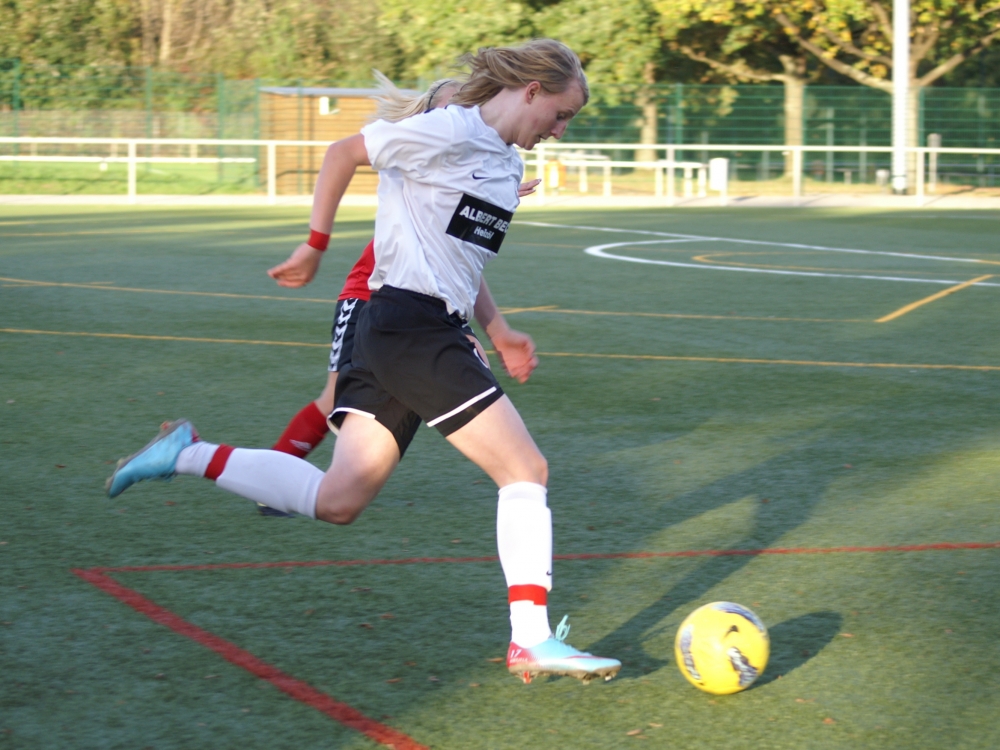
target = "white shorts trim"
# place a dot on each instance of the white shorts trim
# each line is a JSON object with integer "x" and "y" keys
{"x": 353, "y": 411}
{"x": 464, "y": 406}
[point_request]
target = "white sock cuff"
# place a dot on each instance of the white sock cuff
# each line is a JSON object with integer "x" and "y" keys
{"x": 525, "y": 492}
{"x": 193, "y": 461}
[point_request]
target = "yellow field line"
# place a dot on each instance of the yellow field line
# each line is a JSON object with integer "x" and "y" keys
{"x": 94, "y": 285}
{"x": 554, "y": 309}
{"x": 577, "y": 355}
{"x": 541, "y": 308}
{"x": 103, "y": 285}
{"x": 926, "y": 300}
{"x": 748, "y": 361}
{"x": 159, "y": 338}
{"x": 707, "y": 260}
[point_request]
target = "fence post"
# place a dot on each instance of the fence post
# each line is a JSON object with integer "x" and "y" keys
{"x": 131, "y": 172}
{"x": 920, "y": 176}
{"x": 658, "y": 179}
{"x": 671, "y": 188}
{"x": 149, "y": 108}
{"x": 796, "y": 171}
{"x": 933, "y": 143}
{"x": 16, "y": 103}
{"x": 220, "y": 94}
{"x": 272, "y": 173}
{"x": 607, "y": 180}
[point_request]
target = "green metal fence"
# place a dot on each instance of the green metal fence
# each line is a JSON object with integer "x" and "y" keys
{"x": 40, "y": 100}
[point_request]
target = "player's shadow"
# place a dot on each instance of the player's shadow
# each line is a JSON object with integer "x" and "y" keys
{"x": 772, "y": 521}
{"x": 796, "y": 641}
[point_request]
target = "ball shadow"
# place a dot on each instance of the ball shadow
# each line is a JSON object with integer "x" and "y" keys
{"x": 796, "y": 641}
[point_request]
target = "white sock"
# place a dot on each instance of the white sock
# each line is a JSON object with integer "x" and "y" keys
{"x": 524, "y": 542}
{"x": 278, "y": 480}
{"x": 193, "y": 460}
{"x": 529, "y": 623}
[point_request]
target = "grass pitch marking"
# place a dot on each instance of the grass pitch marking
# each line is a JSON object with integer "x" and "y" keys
{"x": 926, "y": 300}
{"x": 351, "y": 717}
{"x": 159, "y": 338}
{"x": 297, "y": 689}
{"x": 578, "y": 355}
{"x": 105, "y": 286}
{"x": 601, "y": 251}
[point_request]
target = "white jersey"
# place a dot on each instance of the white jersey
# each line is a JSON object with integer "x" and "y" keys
{"x": 447, "y": 192}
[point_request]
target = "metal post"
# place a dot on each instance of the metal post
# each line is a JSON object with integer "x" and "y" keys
{"x": 679, "y": 113}
{"x": 131, "y": 172}
{"x": 272, "y": 173}
{"x": 671, "y": 188}
{"x": 220, "y": 94}
{"x": 607, "y": 180}
{"x": 933, "y": 143}
{"x": 920, "y": 177}
{"x": 702, "y": 182}
{"x": 900, "y": 91}
{"x": 688, "y": 185}
{"x": 797, "y": 172}
{"x": 256, "y": 129}
{"x": 149, "y": 110}
{"x": 16, "y": 104}
{"x": 658, "y": 179}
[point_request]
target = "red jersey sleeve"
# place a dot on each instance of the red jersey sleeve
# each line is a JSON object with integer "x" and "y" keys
{"x": 356, "y": 286}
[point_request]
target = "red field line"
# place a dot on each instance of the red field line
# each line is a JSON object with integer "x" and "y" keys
{"x": 577, "y": 556}
{"x": 297, "y": 689}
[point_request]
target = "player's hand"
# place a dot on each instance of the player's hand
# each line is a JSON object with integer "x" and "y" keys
{"x": 299, "y": 269}
{"x": 527, "y": 188}
{"x": 517, "y": 353}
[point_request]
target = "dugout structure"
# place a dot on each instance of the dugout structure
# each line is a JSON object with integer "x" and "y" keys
{"x": 295, "y": 113}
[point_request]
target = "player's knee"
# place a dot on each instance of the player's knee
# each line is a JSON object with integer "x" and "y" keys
{"x": 338, "y": 515}
{"x": 539, "y": 469}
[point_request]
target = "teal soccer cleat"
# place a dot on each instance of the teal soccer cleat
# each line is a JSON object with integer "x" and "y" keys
{"x": 158, "y": 460}
{"x": 555, "y": 656}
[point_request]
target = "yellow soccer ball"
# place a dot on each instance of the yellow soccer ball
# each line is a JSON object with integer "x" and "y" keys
{"x": 722, "y": 648}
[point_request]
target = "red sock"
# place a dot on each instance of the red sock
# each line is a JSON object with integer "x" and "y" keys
{"x": 306, "y": 431}
{"x": 218, "y": 463}
{"x": 528, "y": 593}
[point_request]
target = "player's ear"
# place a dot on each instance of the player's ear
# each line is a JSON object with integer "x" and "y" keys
{"x": 531, "y": 91}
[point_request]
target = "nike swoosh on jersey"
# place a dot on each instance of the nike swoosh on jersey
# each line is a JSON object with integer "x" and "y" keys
{"x": 477, "y": 177}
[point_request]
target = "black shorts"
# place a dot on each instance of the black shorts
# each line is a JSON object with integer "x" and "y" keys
{"x": 413, "y": 361}
{"x": 345, "y": 318}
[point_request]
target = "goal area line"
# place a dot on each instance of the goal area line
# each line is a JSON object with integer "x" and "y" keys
{"x": 346, "y": 715}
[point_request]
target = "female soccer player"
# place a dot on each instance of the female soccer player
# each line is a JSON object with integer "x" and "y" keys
{"x": 309, "y": 427}
{"x": 447, "y": 192}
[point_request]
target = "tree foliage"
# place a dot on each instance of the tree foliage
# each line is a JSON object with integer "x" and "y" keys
{"x": 629, "y": 41}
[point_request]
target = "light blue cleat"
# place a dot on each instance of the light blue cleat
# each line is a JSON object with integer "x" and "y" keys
{"x": 555, "y": 656}
{"x": 158, "y": 460}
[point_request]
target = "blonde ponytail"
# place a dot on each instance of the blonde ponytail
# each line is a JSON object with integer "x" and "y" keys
{"x": 395, "y": 105}
{"x": 554, "y": 65}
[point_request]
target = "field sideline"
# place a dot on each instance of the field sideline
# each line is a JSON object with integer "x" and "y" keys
{"x": 795, "y": 410}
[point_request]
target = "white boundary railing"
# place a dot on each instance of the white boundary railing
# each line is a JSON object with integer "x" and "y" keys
{"x": 664, "y": 170}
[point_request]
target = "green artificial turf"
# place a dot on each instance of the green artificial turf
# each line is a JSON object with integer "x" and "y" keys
{"x": 733, "y": 420}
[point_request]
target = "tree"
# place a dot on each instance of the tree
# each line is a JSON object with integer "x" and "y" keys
{"x": 431, "y": 34}
{"x": 618, "y": 43}
{"x": 742, "y": 41}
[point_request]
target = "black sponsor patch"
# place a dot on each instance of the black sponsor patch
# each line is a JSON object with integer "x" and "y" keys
{"x": 480, "y": 223}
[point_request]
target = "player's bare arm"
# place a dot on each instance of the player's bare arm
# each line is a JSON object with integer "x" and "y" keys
{"x": 516, "y": 349}
{"x": 341, "y": 160}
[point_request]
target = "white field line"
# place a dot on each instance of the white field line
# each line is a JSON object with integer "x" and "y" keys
{"x": 599, "y": 251}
